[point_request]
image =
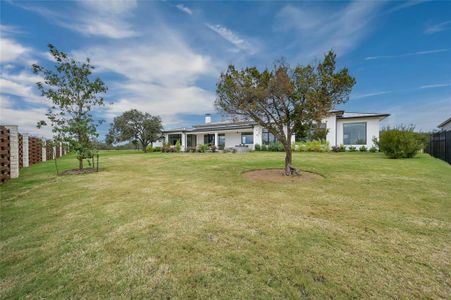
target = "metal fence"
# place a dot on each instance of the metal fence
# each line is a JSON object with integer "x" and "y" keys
{"x": 440, "y": 145}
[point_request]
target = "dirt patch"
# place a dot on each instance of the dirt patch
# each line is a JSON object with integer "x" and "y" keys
{"x": 78, "y": 171}
{"x": 277, "y": 175}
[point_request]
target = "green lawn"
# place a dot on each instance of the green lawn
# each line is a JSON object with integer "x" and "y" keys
{"x": 189, "y": 226}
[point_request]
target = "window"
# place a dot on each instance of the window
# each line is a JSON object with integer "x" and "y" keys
{"x": 221, "y": 139}
{"x": 354, "y": 133}
{"x": 191, "y": 140}
{"x": 209, "y": 139}
{"x": 268, "y": 137}
{"x": 173, "y": 138}
{"x": 247, "y": 138}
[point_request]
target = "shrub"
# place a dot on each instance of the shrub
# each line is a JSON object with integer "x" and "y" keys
{"x": 373, "y": 149}
{"x": 258, "y": 147}
{"x": 202, "y": 148}
{"x": 399, "y": 142}
{"x": 335, "y": 148}
{"x": 352, "y": 149}
{"x": 178, "y": 147}
{"x": 362, "y": 149}
{"x": 166, "y": 148}
{"x": 213, "y": 148}
{"x": 341, "y": 148}
{"x": 191, "y": 149}
{"x": 149, "y": 148}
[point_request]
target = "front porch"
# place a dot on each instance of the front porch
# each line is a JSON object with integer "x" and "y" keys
{"x": 222, "y": 139}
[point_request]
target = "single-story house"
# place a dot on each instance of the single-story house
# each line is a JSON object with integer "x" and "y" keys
{"x": 445, "y": 125}
{"x": 344, "y": 128}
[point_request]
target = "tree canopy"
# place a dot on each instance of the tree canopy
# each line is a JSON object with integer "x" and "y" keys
{"x": 281, "y": 98}
{"x": 74, "y": 94}
{"x": 134, "y": 125}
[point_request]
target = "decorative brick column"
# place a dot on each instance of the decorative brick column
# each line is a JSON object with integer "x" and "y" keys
{"x": 25, "y": 155}
{"x": 4, "y": 154}
{"x": 14, "y": 151}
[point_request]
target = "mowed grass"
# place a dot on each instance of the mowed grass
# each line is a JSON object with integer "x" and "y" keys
{"x": 189, "y": 226}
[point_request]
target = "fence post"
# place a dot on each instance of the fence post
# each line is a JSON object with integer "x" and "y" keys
{"x": 14, "y": 151}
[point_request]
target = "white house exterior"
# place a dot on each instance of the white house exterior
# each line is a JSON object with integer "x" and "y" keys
{"x": 344, "y": 128}
{"x": 446, "y": 125}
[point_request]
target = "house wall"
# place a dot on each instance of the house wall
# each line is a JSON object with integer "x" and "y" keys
{"x": 446, "y": 127}
{"x": 331, "y": 123}
{"x": 372, "y": 130}
{"x": 232, "y": 139}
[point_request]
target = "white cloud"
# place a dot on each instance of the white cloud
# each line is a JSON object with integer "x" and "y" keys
{"x": 425, "y": 52}
{"x": 436, "y": 85}
{"x": 159, "y": 77}
{"x": 93, "y": 18}
{"x": 185, "y": 9}
{"x": 315, "y": 31}
{"x": 10, "y": 51}
{"x": 360, "y": 96}
{"x": 233, "y": 38}
{"x": 21, "y": 85}
{"x": 25, "y": 118}
{"x": 438, "y": 27}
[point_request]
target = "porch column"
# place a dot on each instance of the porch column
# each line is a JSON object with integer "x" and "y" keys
{"x": 183, "y": 142}
{"x": 216, "y": 139}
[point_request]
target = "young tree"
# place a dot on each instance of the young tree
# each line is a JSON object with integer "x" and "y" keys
{"x": 282, "y": 98}
{"x": 73, "y": 94}
{"x": 134, "y": 125}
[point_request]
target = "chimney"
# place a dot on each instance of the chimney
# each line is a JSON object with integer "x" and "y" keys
{"x": 207, "y": 118}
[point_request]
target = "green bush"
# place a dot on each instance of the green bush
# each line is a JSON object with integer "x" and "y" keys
{"x": 178, "y": 147}
{"x": 352, "y": 149}
{"x": 149, "y": 148}
{"x": 258, "y": 147}
{"x": 373, "y": 149}
{"x": 157, "y": 149}
{"x": 362, "y": 149}
{"x": 202, "y": 148}
{"x": 341, "y": 148}
{"x": 400, "y": 142}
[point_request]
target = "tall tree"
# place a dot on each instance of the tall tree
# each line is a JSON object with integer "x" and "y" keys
{"x": 282, "y": 97}
{"x": 74, "y": 94}
{"x": 134, "y": 125}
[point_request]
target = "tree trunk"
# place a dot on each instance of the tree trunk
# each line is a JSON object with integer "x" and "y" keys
{"x": 288, "y": 160}
{"x": 80, "y": 163}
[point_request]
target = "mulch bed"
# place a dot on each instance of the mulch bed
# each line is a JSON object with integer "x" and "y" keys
{"x": 78, "y": 171}
{"x": 277, "y": 175}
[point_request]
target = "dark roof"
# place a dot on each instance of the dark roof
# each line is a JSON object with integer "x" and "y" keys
{"x": 444, "y": 123}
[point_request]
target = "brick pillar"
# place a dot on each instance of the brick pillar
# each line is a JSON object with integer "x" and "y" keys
{"x": 14, "y": 150}
{"x": 44, "y": 150}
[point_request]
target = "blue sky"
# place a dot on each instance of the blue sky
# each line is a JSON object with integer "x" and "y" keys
{"x": 165, "y": 57}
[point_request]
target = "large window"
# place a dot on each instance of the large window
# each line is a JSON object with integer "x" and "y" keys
{"x": 173, "y": 138}
{"x": 247, "y": 138}
{"x": 221, "y": 140}
{"x": 354, "y": 133}
{"x": 268, "y": 137}
{"x": 191, "y": 140}
{"x": 209, "y": 139}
